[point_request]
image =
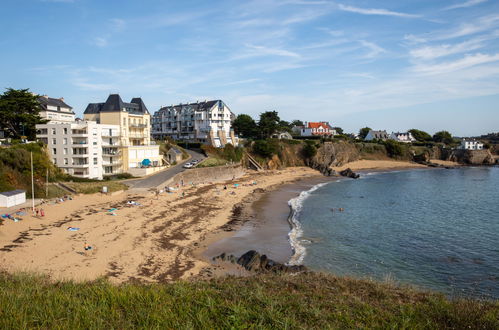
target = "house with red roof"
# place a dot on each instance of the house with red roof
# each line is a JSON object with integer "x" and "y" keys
{"x": 321, "y": 128}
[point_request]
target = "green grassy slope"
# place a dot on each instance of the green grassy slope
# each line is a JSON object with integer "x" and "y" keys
{"x": 267, "y": 301}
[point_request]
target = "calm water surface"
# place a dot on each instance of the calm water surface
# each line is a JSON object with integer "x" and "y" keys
{"x": 436, "y": 229}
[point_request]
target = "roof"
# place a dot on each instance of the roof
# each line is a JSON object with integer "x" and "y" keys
{"x": 175, "y": 150}
{"x": 12, "y": 192}
{"x": 114, "y": 103}
{"x": 46, "y": 101}
{"x": 379, "y": 134}
{"x": 318, "y": 124}
{"x": 198, "y": 106}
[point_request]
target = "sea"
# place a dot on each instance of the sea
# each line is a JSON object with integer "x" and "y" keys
{"x": 433, "y": 229}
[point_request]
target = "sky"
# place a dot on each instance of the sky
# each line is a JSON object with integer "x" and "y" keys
{"x": 394, "y": 65}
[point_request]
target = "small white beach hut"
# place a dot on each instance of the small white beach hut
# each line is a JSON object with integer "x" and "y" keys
{"x": 12, "y": 198}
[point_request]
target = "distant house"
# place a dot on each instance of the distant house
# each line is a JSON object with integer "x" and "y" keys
{"x": 174, "y": 155}
{"x": 321, "y": 128}
{"x": 471, "y": 144}
{"x": 377, "y": 135}
{"x": 12, "y": 198}
{"x": 55, "y": 110}
{"x": 282, "y": 136}
{"x": 405, "y": 137}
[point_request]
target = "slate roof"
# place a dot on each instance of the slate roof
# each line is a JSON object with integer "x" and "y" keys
{"x": 46, "y": 101}
{"x": 12, "y": 192}
{"x": 114, "y": 103}
{"x": 175, "y": 150}
{"x": 379, "y": 134}
{"x": 198, "y": 106}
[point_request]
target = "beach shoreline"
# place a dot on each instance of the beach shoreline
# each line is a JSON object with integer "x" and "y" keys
{"x": 160, "y": 239}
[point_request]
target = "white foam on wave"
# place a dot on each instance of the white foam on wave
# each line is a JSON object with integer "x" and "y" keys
{"x": 294, "y": 236}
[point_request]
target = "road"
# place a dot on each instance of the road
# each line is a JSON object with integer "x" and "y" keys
{"x": 154, "y": 180}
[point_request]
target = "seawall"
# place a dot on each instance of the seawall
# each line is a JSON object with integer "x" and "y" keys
{"x": 206, "y": 174}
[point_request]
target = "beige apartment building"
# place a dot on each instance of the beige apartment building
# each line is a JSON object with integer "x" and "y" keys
{"x": 133, "y": 145}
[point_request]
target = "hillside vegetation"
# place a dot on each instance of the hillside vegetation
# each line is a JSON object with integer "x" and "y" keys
{"x": 266, "y": 301}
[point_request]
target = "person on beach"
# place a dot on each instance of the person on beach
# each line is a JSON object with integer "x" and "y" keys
{"x": 42, "y": 212}
{"x": 37, "y": 211}
{"x": 87, "y": 247}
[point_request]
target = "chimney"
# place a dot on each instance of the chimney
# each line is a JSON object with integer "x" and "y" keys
{"x": 62, "y": 99}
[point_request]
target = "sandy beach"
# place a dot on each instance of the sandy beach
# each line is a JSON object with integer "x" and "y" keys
{"x": 158, "y": 240}
{"x": 149, "y": 242}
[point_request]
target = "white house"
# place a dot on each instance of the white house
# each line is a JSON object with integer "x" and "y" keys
{"x": 405, "y": 137}
{"x": 12, "y": 198}
{"x": 315, "y": 129}
{"x": 471, "y": 144}
{"x": 377, "y": 135}
{"x": 55, "y": 110}
{"x": 207, "y": 122}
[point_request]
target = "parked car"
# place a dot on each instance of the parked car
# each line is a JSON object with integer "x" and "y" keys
{"x": 187, "y": 165}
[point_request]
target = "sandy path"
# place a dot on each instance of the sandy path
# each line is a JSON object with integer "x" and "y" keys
{"x": 151, "y": 242}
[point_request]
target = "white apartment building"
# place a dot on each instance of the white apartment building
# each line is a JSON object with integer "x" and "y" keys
{"x": 82, "y": 148}
{"x": 471, "y": 144}
{"x": 55, "y": 110}
{"x": 207, "y": 122}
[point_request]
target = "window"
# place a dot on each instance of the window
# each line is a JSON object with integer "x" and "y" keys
{"x": 54, "y": 151}
{"x": 124, "y": 121}
{"x": 95, "y": 143}
{"x": 54, "y": 141}
{"x": 65, "y": 151}
{"x": 95, "y": 161}
{"x": 65, "y": 130}
{"x": 110, "y": 132}
{"x": 66, "y": 161}
{"x": 55, "y": 161}
{"x": 65, "y": 141}
{"x": 53, "y": 130}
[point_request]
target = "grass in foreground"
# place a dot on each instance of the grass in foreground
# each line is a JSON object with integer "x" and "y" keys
{"x": 95, "y": 187}
{"x": 212, "y": 161}
{"x": 268, "y": 301}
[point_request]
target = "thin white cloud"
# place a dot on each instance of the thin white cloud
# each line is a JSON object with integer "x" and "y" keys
{"x": 463, "y": 63}
{"x": 465, "y": 4}
{"x": 100, "y": 42}
{"x": 374, "y": 50}
{"x": 432, "y": 52}
{"x": 255, "y": 50}
{"x": 374, "y": 11}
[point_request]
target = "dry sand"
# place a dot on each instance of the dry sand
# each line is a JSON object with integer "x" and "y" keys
{"x": 154, "y": 242}
{"x": 377, "y": 165}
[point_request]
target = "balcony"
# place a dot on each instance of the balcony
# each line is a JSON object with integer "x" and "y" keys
{"x": 79, "y": 142}
{"x": 137, "y": 136}
{"x": 80, "y": 164}
{"x": 117, "y": 163}
{"x": 137, "y": 125}
{"x": 80, "y": 155}
{"x": 113, "y": 134}
{"x": 112, "y": 144}
{"x": 110, "y": 153}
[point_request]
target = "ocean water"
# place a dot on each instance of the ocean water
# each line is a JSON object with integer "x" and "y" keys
{"x": 435, "y": 229}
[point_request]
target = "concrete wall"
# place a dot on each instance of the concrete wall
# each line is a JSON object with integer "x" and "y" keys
{"x": 208, "y": 174}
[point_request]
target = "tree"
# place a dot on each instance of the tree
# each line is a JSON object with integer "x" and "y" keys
{"x": 269, "y": 123}
{"x": 393, "y": 148}
{"x": 264, "y": 148}
{"x": 19, "y": 113}
{"x": 245, "y": 126}
{"x": 285, "y": 126}
{"x": 444, "y": 137}
{"x": 363, "y": 132}
{"x": 420, "y": 136}
{"x": 339, "y": 130}
{"x": 297, "y": 122}
{"x": 309, "y": 150}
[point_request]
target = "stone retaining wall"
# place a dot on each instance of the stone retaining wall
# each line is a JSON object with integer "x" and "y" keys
{"x": 206, "y": 174}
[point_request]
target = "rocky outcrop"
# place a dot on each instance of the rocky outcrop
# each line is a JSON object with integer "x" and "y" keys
{"x": 349, "y": 173}
{"x": 467, "y": 157}
{"x": 255, "y": 262}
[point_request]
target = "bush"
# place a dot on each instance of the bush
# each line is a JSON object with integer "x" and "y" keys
{"x": 264, "y": 148}
{"x": 309, "y": 150}
{"x": 393, "y": 148}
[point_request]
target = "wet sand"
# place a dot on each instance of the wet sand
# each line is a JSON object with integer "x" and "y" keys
{"x": 268, "y": 227}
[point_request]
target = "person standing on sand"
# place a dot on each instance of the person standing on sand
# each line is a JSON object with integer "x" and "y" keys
{"x": 42, "y": 212}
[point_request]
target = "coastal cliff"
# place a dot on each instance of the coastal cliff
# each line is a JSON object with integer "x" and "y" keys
{"x": 466, "y": 157}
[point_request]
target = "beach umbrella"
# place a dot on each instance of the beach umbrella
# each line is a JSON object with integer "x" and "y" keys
{"x": 146, "y": 162}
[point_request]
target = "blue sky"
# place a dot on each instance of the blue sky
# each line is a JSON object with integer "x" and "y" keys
{"x": 391, "y": 65}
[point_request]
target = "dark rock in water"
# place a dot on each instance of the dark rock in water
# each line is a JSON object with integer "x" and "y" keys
{"x": 253, "y": 261}
{"x": 349, "y": 173}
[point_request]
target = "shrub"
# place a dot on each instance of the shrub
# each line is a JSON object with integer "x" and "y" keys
{"x": 393, "y": 148}
{"x": 309, "y": 150}
{"x": 264, "y": 148}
